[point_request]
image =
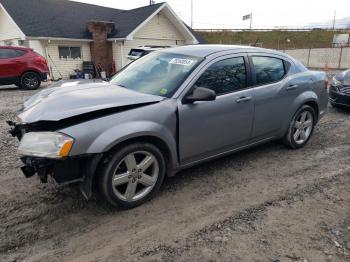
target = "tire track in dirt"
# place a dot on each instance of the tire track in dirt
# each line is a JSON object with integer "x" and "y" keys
{"x": 46, "y": 222}
{"x": 245, "y": 221}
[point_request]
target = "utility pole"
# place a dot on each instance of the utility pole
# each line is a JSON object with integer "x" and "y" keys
{"x": 191, "y": 13}
{"x": 335, "y": 13}
{"x": 251, "y": 19}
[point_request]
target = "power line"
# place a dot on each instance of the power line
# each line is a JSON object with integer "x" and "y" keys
{"x": 191, "y": 13}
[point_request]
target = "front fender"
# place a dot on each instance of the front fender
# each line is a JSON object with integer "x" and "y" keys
{"x": 123, "y": 132}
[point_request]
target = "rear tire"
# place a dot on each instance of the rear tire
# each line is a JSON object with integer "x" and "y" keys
{"x": 30, "y": 81}
{"x": 301, "y": 127}
{"x": 131, "y": 175}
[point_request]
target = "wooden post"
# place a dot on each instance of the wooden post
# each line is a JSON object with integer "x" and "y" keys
{"x": 308, "y": 57}
{"x": 341, "y": 54}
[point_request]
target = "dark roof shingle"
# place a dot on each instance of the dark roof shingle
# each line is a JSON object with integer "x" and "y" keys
{"x": 67, "y": 19}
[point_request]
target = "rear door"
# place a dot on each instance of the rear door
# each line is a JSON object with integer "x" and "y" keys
{"x": 11, "y": 63}
{"x": 274, "y": 93}
{"x": 208, "y": 128}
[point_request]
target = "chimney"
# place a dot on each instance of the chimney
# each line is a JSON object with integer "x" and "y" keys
{"x": 101, "y": 49}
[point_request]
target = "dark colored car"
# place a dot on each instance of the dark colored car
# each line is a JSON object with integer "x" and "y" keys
{"x": 22, "y": 66}
{"x": 339, "y": 91}
{"x": 141, "y": 51}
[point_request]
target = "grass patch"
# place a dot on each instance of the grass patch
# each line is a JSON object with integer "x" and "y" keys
{"x": 273, "y": 39}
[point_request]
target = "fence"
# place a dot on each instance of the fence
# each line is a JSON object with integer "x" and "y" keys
{"x": 334, "y": 58}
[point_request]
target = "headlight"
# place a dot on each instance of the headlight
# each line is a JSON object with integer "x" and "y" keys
{"x": 45, "y": 144}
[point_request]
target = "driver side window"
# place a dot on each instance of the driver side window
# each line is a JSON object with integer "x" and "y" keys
{"x": 225, "y": 76}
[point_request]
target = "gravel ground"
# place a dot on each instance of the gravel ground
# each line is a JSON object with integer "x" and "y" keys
{"x": 264, "y": 204}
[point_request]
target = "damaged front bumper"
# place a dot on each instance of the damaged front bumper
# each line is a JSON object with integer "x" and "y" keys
{"x": 78, "y": 169}
{"x": 17, "y": 129}
{"x": 74, "y": 169}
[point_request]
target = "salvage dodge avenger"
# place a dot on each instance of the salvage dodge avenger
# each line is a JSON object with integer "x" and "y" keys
{"x": 169, "y": 110}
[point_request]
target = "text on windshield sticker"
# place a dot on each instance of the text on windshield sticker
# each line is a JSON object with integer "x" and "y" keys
{"x": 181, "y": 61}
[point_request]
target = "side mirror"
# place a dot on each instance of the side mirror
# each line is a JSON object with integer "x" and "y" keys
{"x": 201, "y": 94}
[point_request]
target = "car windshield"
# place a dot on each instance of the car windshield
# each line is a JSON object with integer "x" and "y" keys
{"x": 159, "y": 73}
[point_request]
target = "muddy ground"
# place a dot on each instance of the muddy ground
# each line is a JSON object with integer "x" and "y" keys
{"x": 264, "y": 204}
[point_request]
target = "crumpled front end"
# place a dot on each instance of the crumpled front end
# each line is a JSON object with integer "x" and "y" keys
{"x": 66, "y": 170}
{"x": 45, "y": 123}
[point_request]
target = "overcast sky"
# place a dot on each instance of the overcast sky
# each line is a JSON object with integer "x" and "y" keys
{"x": 228, "y": 13}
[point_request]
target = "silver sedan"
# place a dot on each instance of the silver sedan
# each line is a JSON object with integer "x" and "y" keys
{"x": 169, "y": 110}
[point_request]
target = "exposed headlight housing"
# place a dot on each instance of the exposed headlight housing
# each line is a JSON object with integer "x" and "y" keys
{"x": 45, "y": 144}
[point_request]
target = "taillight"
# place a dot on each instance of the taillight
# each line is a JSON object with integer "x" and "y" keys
{"x": 41, "y": 60}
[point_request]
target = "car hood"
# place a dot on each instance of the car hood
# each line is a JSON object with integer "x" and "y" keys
{"x": 344, "y": 77}
{"x": 64, "y": 101}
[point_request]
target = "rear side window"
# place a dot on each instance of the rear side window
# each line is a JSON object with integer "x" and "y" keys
{"x": 225, "y": 76}
{"x": 268, "y": 69}
{"x": 20, "y": 52}
{"x": 10, "y": 53}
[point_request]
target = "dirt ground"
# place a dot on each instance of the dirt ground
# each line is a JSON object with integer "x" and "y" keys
{"x": 264, "y": 204}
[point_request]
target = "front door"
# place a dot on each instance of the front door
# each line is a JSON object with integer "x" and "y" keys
{"x": 208, "y": 128}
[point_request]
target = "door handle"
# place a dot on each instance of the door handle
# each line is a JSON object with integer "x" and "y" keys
{"x": 244, "y": 99}
{"x": 291, "y": 87}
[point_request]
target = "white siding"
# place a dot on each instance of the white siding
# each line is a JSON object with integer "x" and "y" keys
{"x": 38, "y": 46}
{"x": 8, "y": 29}
{"x": 62, "y": 68}
{"x": 161, "y": 28}
{"x": 158, "y": 31}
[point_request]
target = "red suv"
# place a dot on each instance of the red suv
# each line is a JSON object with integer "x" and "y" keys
{"x": 22, "y": 67}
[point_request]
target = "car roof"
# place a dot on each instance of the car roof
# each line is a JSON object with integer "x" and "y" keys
{"x": 206, "y": 50}
{"x": 17, "y": 48}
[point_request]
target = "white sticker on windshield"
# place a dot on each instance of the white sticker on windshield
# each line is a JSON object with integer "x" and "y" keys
{"x": 181, "y": 61}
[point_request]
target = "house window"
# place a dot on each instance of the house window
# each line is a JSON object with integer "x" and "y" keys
{"x": 71, "y": 52}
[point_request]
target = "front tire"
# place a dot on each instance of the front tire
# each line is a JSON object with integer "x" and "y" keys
{"x": 301, "y": 127}
{"x": 30, "y": 81}
{"x": 131, "y": 175}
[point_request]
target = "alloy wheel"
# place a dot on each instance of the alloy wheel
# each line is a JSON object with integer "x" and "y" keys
{"x": 135, "y": 176}
{"x": 303, "y": 127}
{"x": 30, "y": 80}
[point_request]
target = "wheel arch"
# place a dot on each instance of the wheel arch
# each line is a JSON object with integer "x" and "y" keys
{"x": 315, "y": 106}
{"x": 151, "y": 139}
{"x": 305, "y": 98}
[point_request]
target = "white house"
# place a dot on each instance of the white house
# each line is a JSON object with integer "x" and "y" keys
{"x": 59, "y": 31}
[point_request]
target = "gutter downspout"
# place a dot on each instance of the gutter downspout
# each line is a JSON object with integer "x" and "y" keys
{"x": 122, "y": 53}
{"x": 48, "y": 61}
